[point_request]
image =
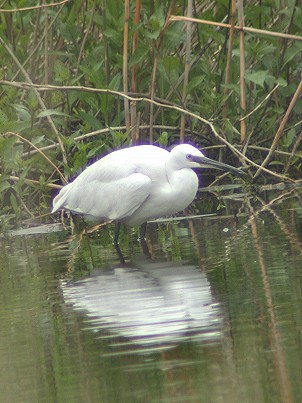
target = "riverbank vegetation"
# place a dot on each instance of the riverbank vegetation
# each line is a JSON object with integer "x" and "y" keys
{"x": 81, "y": 78}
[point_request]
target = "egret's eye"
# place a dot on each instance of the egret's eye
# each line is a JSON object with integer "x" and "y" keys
{"x": 189, "y": 156}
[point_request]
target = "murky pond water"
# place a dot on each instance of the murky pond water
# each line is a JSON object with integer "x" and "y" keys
{"x": 214, "y": 314}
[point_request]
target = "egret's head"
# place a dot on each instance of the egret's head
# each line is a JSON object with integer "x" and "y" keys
{"x": 188, "y": 156}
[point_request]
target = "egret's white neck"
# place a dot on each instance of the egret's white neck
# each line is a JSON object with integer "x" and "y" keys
{"x": 176, "y": 174}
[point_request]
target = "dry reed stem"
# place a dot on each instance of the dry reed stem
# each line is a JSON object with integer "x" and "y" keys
{"x": 229, "y": 55}
{"x": 134, "y": 123}
{"x": 15, "y": 10}
{"x": 134, "y": 46}
{"x": 245, "y": 29}
{"x": 242, "y": 72}
{"x": 133, "y": 110}
{"x": 33, "y": 182}
{"x": 35, "y": 39}
{"x": 186, "y": 71}
{"x": 152, "y": 92}
{"x": 46, "y": 58}
{"x": 242, "y": 157}
{"x": 125, "y": 63}
{"x": 281, "y": 128}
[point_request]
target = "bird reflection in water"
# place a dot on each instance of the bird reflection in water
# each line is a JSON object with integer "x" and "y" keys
{"x": 152, "y": 305}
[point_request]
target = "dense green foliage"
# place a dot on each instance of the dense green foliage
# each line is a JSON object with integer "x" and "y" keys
{"x": 82, "y": 44}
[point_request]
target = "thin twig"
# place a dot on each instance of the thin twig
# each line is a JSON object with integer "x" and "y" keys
{"x": 251, "y": 147}
{"x": 34, "y": 182}
{"x": 15, "y": 10}
{"x": 245, "y": 29}
{"x": 38, "y": 150}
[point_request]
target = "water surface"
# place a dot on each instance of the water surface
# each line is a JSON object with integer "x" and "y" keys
{"x": 213, "y": 314}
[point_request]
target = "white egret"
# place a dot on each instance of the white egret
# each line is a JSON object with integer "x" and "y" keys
{"x": 136, "y": 184}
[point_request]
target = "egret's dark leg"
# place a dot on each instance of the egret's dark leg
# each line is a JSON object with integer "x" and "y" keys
{"x": 145, "y": 248}
{"x": 119, "y": 253}
{"x": 117, "y": 233}
{"x": 116, "y": 245}
{"x": 142, "y": 233}
{"x": 142, "y": 239}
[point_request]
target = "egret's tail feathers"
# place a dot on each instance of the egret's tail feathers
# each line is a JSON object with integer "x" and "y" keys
{"x": 60, "y": 199}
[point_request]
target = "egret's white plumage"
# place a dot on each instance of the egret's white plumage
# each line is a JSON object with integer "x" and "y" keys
{"x": 136, "y": 184}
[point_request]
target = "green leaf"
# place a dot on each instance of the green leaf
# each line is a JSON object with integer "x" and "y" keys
{"x": 174, "y": 35}
{"x": 276, "y": 163}
{"x": 14, "y": 203}
{"x": 113, "y": 35}
{"x": 195, "y": 82}
{"x": 61, "y": 71}
{"x": 291, "y": 53}
{"x": 95, "y": 151}
{"x": 289, "y": 138}
{"x": 3, "y": 117}
{"x": 4, "y": 185}
{"x": 258, "y": 77}
{"x": 163, "y": 139}
{"x": 51, "y": 112}
{"x": 6, "y": 148}
{"x": 90, "y": 121}
{"x": 115, "y": 83}
{"x": 37, "y": 140}
{"x": 230, "y": 129}
{"x": 22, "y": 112}
{"x": 13, "y": 126}
{"x": 139, "y": 55}
{"x": 282, "y": 82}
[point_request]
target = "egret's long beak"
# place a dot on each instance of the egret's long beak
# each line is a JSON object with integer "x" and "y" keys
{"x": 208, "y": 163}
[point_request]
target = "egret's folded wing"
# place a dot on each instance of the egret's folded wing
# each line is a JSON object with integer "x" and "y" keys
{"x": 111, "y": 200}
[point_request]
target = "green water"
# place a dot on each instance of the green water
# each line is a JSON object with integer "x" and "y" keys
{"x": 213, "y": 316}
